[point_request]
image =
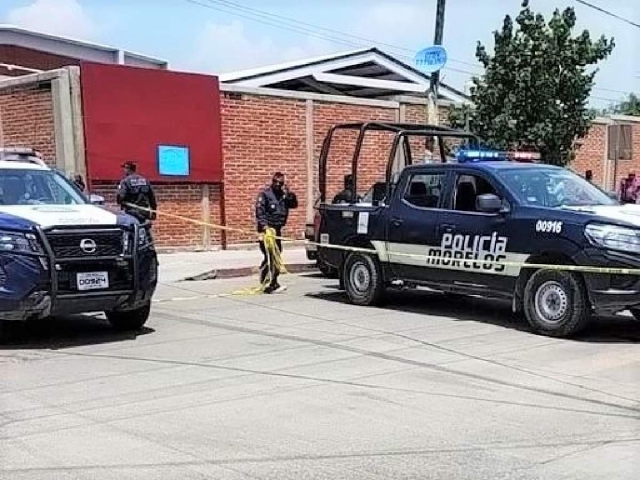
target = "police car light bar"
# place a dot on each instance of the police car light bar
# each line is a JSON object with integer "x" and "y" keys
{"x": 525, "y": 156}
{"x": 21, "y": 154}
{"x": 479, "y": 155}
{"x": 463, "y": 156}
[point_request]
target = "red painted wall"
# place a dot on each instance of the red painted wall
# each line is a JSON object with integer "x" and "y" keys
{"x": 129, "y": 112}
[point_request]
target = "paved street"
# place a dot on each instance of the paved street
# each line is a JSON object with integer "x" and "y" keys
{"x": 304, "y": 386}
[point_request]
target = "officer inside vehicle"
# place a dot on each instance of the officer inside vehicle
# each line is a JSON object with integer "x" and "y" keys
{"x": 136, "y": 190}
{"x": 272, "y": 211}
{"x": 345, "y": 195}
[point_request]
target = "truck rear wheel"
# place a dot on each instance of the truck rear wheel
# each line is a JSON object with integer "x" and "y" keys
{"x": 363, "y": 280}
{"x": 555, "y": 303}
{"x": 129, "y": 320}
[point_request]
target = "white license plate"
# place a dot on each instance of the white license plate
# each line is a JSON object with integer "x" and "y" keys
{"x": 92, "y": 280}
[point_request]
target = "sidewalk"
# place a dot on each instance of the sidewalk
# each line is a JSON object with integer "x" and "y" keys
{"x": 179, "y": 266}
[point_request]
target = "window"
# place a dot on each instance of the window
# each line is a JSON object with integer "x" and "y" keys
{"x": 36, "y": 187}
{"x": 425, "y": 190}
{"x": 468, "y": 187}
{"x": 620, "y": 141}
{"x": 553, "y": 187}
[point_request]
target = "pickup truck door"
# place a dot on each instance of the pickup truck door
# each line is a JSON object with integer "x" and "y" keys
{"x": 414, "y": 215}
{"x": 476, "y": 241}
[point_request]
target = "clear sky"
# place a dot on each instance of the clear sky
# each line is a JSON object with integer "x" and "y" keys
{"x": 216, "y": 36}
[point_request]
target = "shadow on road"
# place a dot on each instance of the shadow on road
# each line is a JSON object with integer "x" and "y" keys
{"x": 612, "y": 329}
{"x": 63, "y": 332}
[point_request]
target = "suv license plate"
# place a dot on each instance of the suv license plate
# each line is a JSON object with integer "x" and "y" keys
{"x": 92, "y": 280}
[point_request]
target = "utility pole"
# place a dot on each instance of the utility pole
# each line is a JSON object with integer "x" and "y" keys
{"x": 432, "y": 95}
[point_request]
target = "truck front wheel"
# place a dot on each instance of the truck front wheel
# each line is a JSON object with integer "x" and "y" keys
{"x": 363, "y": 280}
{"x": 129, "y": 320}
{"x": 555, "y": 303}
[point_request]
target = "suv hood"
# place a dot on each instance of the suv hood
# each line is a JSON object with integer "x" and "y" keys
{"x": 628, "y": 213}
{"x": 52, "y": 215}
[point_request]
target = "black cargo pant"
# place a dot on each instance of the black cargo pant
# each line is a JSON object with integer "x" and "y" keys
{"x": 268, "y": 264}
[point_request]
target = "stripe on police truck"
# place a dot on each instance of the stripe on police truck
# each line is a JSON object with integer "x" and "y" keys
{"x": 472, "y": 253}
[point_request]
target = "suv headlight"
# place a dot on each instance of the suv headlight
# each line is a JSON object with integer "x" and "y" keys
{"x": 614, "y": 237}
{"x": 18, "y": 242}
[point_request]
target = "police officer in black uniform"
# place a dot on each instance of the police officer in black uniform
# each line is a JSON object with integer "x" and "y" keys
{"x": 134, "y": 189}
{"x": 345, "y": 195}
{"x": 272, "y": 211}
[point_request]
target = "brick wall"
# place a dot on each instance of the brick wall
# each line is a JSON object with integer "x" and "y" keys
{"x": 261, "y": 135}
{"x": 176, "y": 199}
{"x": 375, "y": 149}
{"x": 592, "y": 155}
{"x": 26, "y": 118}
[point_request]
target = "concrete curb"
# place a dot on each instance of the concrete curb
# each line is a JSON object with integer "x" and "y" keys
{"x": 168, "y": 250}
{"x": 226, "y": 273}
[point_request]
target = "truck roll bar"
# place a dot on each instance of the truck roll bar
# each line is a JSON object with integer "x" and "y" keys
{"x": 401, "y": 131}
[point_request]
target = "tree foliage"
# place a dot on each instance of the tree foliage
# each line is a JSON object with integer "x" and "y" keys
{"x": 535, "y": 89}
{"x": 629, "y": 106}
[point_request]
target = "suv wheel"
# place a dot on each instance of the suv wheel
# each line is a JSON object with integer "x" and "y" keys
{"x": 363, "y": 280}
{"x": 555, "y": 303}
{"x": 130, "y": 319}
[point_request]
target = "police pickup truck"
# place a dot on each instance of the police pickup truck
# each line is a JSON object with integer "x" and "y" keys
{"x": 59, "y": 254}
{"x": 469, "y": 226}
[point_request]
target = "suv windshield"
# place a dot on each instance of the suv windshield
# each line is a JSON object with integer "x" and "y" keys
{"x": 548, "y": 187}
{"x": 37, "y": 187}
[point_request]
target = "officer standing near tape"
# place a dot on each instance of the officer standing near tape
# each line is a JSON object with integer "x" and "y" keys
{"x": 136, "y": 190}
{"x": 272, "y": 211}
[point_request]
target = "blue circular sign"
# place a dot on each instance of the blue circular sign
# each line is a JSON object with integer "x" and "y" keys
{"x": 431, "y": 59}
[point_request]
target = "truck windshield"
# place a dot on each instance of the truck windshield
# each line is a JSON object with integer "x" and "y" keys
{"x": 37, "y": 187}
{"x": 548, "y": 187}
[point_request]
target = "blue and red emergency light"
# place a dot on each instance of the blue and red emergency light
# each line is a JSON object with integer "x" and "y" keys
{"x": 477, "y": 155}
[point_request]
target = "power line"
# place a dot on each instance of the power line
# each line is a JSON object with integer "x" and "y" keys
{"x": 297, "y": 26}
{"x": 607, "y": 12}
{"x": 256, "y": 11}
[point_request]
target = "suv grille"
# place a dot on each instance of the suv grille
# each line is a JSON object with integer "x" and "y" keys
{"x": 87, "y": 244}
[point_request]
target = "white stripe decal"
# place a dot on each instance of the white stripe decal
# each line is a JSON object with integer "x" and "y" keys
{"x": 437, "y": 257}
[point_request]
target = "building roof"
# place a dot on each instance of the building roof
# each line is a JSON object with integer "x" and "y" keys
{"x": 366, "y": 73}
{"x": 74, "y": 48}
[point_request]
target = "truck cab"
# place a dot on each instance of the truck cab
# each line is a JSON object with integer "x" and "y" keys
{"x": 60, "y": 254}
{"x": 486, "y": 225}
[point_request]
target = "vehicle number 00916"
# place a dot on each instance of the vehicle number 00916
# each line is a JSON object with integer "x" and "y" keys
{"x": 548, "y": 226}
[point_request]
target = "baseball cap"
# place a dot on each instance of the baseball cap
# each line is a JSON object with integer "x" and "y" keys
{"x": 131, "y": 165}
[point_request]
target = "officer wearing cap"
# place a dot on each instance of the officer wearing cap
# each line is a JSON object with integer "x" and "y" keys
{"x": 136, "y": 190}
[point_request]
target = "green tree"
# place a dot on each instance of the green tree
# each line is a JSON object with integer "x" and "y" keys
{"x": 630, "y": 106}
{"x": 535, "y": 89}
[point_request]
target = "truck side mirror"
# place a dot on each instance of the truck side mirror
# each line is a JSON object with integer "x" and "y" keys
{"x": 488, "y": 203}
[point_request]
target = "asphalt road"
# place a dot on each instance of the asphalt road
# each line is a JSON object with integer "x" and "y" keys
{"x": 304, "y": 386}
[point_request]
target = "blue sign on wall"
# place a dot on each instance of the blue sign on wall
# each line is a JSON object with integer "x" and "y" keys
{"x": 431, "y": 59}
{"x": 173, "y": 161}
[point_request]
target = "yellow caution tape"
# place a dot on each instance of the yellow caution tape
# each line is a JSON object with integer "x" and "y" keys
{"x": 272, "y": 247}
{"x": 274, "y": 262}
